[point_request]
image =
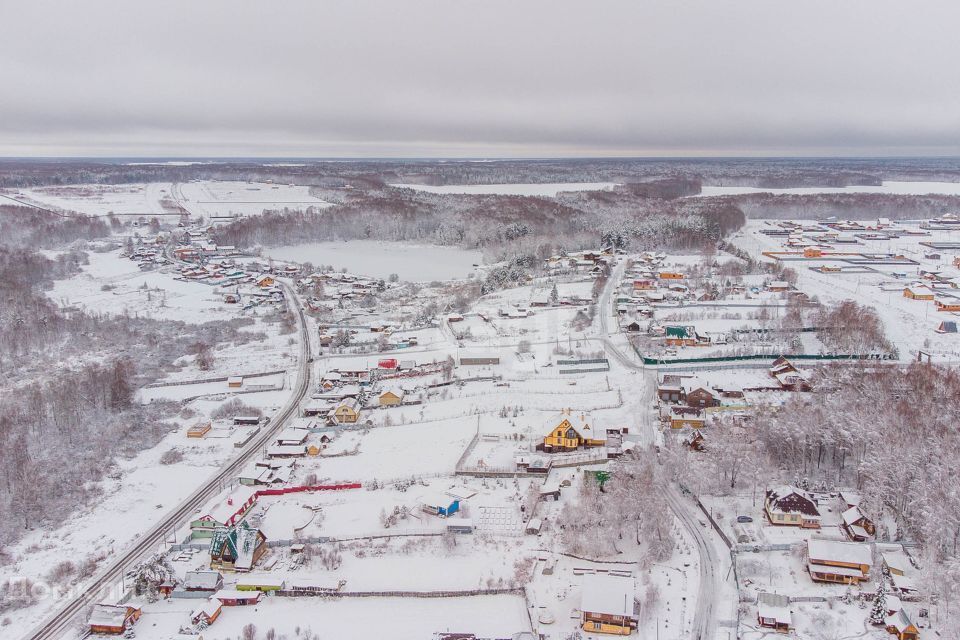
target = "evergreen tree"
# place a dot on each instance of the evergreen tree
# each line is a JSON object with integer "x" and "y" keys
{"x": 879, "y": 612}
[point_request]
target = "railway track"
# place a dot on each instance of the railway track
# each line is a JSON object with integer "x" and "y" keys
{"x": 63, "y": 621}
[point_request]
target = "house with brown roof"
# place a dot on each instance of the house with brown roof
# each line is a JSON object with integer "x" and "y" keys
{"x": 791, "y": 506}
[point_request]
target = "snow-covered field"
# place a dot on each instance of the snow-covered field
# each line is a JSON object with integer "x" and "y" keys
{"x": 207, "y": 198}
{"x": 891, "y": 187}
{"x": 99, "y": 200}
{"x": 545, "y": 189}
{"x": 416, "y": 263}
{"x": 223, "y": 199}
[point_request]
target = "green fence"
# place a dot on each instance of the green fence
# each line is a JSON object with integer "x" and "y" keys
{"x": 799, "y": 356}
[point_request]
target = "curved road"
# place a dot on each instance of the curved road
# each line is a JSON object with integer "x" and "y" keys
{"x": 704, "y": 620}
{"x": 62, "y": 621}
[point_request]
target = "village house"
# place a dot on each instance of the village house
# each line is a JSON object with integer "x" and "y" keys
{"x": 686, "y": 417}
{"x": 347, "y": 412}
{"x": 113, "y": 619}
{"x": 607, "y": 605}
{"x": 236, "y": 548}
{"x": 238, "y": 598}
{"x": 570, "y": 431}
{"x": 899, "y": 624}
{"x": 202, "y": 581}
{"x": 207, "y": 613}
{"x": 227, "y": 511}
{"x": 697, "y": 393}
{"x": 773, "y": 611}
{"x": 670, "y": 389}
{"x": 947, "y": 304}
{"x": 856, "y": 525}
{"x": 790, "y": 506}
{"x": 684, "y": 336}
{"x": 696, "y": 441}
{"x": 918, "y": 292}
{"x": 390, "y": 397}
{"x": 838, "y": 561}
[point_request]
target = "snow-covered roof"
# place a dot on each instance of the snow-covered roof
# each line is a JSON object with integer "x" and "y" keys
{"x": 903, "y": 583}
{"x": 208, "y": 609}
{"x": 852, "y": 515}
{"x": 201, "y": 580}
{"x": 108, "y": 615}
{"x": 773, "y": 606}
{"x": 610, "y": 595}
{"x": 841, "y": 551}
{"x": 235, "y": 594}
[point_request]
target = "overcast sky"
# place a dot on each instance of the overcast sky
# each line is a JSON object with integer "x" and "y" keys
{"x": 460, "y": 78}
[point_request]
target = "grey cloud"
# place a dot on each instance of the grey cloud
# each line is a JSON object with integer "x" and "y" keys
{"x": 479, "y": 78}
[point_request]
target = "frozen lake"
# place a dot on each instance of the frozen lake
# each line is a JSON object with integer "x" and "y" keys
{"x": 547, "y": 189}
{"x": 416, "y": 263}
{"x": 900, "y": 188}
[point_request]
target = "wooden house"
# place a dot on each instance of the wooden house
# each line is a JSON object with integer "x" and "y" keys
{"x": 347, "y": 412}
{"x": 696, "y": 441}
{"x": 236, "y": 548}
{"x": 838, "y": 561}
{"x": 570, "y": 431}
{"x": 207, "y": 614}
{"x": 607, "y": 605}
{"x": 947, "y": 304}
{"x": 265, "y": 281}
{"x": 773, "y": 611}
{"x": 390, "y": 397}
{"x": 899, "y": 624}
{"x": 670, "y": 388}
{"x": 698, "y": 393}
{"x": 238, "y": 598}
{"x": 224, "y": 513}
{"x": 199, "y": 430}
{"x": 857, "y": 526}
{"x": 790, "y": 506}
{"x": 683, "y": 336}
{"x": 918, "y": 292}
{"x": 670, "y": 275}
{"x": 113, "y": 619}
{"x": 687, "y": 417}
{"x": 235, "y": 382}
{"x": 644, "y": 284}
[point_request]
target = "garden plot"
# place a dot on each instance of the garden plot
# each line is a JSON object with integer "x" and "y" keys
{"x": 113, "y": 284}
{"x": 349, "y": 618}
{"x": 910, "y": 325}
{"x": 403, "y": 451}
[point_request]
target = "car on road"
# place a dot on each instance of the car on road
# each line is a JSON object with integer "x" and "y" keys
{"x": 743, "y": 519}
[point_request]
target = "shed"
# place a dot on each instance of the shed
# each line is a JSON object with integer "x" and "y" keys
{"x": 113, "y": 619}
{"x": 773, "y": 611}
{"x": 208, "y": 613}
{"x": 440, "y": 505}
{"x": 237, "y": 598}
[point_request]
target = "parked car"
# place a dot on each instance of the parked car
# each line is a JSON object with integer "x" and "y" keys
{"x": 744, "y": 519}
